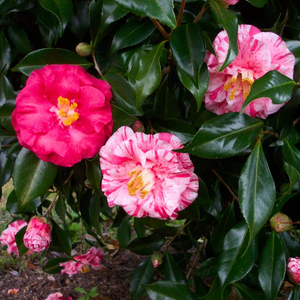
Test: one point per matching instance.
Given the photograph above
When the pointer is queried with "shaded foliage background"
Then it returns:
(153, 59)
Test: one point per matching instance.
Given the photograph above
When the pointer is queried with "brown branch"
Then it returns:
(178, 232)
(161, 29)
(286, 17)
(45, 214)
(180, 14)
(96, 65)
(202, 11)
(226, 185)
(270, 132)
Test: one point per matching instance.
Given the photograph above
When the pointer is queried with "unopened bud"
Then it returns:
(293, 269)
(138, 126)
(83, 49)
(157, 259)
(281, 222)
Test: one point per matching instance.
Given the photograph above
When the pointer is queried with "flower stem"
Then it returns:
(49, 209)
(178, 232)
(202, 11)
(270, 132)
(96, 65)
(161, 29)
(180, 14)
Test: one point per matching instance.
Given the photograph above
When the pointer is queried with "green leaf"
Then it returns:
(247, 292)
(215, 291)
(272, 85)
(131, 33)
(19, 39)
(291, 246)
(61, 241)
(256, 191)
(94, 211)
(5, 54)
(258, 3)
(123, 93)
(224, 136)
(172, 271)
(93, 173)
(208, 268)
(162, 10)
(6, 90)
(121, 118)
(32, 178)
(188, 49)
(19, 241)
(62, 9)
(143, 274)
(5, 115)
(294, 47)
(124, 233)
(146, 245)
(52, 266)
(295, 294)
(149, 74)
(39, 58)
(272, 265)
(6, 168)
(95, 10)
(236, 256)
(229, 22)
(291, 154)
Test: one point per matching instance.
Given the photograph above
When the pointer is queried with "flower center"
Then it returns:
(65, 111)
(242, 82)
(141, 182)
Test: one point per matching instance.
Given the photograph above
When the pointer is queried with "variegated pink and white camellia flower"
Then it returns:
(63, 114)
(142, 174)
(38, 234)
(82, 262)
(8, 236)
(293, 269)
(259, 53)
(57, 296)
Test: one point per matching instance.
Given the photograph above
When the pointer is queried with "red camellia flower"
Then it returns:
(293, 269)
(143, 174)
(38, 234)
(8, 236)
(63, 114)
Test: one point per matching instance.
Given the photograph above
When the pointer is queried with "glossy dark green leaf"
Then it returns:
(94, 211)
(124, 94)
(12, 203)
(19, 241)
(215, 140)
(146, 245)
(272, 265)
(39, 58)
(52, 265)
(6, 90)
(62, 9)
(258, 3)
(19, 39)
(237, 257)
(294, 294)
(142, 274)
(291, 154)
(248, 292)
(139, 228)
(149, 74)
(32, 177)
(215, 291)
(162, 10)
(294, 47)
(169, 290)
(293, 177)
(61, 241)
(6, 168)
(5, 54)
(93, 173)
(256, 190)
(272, 85)
(124, 233)
(121, 118)
(208, 268)
(188, 49)
(290, 245)
(229, 22)
(131, 33)
(95, 10)
(172, 271)
(5, 114)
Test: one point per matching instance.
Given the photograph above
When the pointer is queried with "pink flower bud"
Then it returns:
(281, 222)
(137, 126)
(157, 259)
(57, 296)
(8, 236)
(293, 269)
(83, 49)
(38, 234)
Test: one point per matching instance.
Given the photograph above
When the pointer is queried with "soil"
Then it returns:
(112, 280)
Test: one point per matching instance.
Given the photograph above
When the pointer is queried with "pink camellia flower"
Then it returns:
(143, 174)
(259, 53)
(293, 269)
(63, 114)
(82, 262)
(38, 234)
(57, 296)
(8, 236)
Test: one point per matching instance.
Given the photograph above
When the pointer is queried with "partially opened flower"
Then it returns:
(38, 234)
(143, 174)
(57, 296)
(82, 262)
(293, 269)
(63, 114)
(8, 236)
(259, 53)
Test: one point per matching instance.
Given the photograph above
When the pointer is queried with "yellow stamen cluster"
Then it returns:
(66, 111)
(141, 181)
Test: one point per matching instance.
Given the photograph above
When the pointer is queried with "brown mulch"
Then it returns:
(112, 280)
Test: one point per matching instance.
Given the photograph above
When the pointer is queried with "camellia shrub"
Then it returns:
(175, 122)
